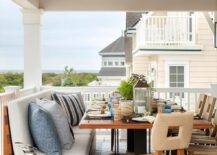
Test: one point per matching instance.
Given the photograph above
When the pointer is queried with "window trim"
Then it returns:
(177, 63)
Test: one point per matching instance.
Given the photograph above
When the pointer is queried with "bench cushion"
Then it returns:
(18, 116)
(80, 147)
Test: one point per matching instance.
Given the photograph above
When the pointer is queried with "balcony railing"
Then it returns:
(89, 93)
(166, 31)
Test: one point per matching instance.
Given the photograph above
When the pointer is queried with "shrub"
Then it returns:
(126, 90)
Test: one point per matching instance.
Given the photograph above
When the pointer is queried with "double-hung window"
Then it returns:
(110, 63)
(177, 76)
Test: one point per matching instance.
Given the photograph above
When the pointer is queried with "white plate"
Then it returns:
(149, 119)
(98, 114)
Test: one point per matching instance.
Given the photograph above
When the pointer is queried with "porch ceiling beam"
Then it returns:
(128, 5)
(28, 4)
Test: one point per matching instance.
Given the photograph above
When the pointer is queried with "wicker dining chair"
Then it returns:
(200, 105)
(209, 108)
(204, 139)
(160, 141)
(207, 114)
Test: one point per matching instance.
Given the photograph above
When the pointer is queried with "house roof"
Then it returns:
(116, 46)
(132, 18)
(122, 45)
(112, 71)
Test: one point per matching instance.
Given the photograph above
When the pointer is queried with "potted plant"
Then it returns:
(126, 104)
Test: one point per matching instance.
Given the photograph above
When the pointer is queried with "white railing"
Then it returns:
(166, 31)
(89, 93)
(187, 97)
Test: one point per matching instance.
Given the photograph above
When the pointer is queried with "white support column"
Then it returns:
(32, 51)
(215, 16)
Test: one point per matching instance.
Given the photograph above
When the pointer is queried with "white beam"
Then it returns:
(27, 4)
(209, 21)
(215, 16)
(128, 5)
(32, 53)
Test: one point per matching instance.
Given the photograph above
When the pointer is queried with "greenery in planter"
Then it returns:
(126, 90)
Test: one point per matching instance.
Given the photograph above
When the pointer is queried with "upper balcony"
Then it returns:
(176, 33)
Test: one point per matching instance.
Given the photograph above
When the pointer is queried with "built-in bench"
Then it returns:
(16, 128)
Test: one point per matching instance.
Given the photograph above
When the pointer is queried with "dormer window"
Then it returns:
(122, 63)
(110, 63)
(105, 63)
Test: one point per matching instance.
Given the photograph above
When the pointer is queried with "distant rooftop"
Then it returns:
(122, 45)
(112, 71)
(116, 46)
(132, 18)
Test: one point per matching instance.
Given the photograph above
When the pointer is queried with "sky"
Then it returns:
(68, 38)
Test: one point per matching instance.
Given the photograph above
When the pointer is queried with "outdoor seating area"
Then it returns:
(153, 90)
(180, 131)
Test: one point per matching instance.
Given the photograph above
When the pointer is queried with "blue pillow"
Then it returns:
(43, 130)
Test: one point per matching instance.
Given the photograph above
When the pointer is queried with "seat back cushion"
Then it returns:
(60, 121)
(72, 106)
(209, 108)
(18, 117)
(43, 130)
(159, 137)
(200, 104)
(77, 94)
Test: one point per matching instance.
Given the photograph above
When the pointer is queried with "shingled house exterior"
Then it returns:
(113, 68)
(117, 56)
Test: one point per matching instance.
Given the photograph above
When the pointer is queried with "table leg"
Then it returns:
(140, 141)
(115, 145)
(130, 140)
(173, 152)
(117, 141)
(112, 139)
(149, 140)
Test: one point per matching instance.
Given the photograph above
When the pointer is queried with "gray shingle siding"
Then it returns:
(112, 71)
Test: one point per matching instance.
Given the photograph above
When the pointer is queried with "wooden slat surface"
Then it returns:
(110, 124)
(8, 150)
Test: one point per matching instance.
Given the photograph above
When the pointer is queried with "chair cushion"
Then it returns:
(18, 116)
(72, 105)
(43, 130)
(82, 145)
(60, 121)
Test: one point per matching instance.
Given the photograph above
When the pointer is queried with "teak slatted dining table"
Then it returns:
(136, 132)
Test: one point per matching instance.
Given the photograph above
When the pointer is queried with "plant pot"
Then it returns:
(127, 107)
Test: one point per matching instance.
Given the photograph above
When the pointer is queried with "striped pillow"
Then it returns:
(72, 105)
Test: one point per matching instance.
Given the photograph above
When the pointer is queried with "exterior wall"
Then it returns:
(140, 64)
(110, 80)
(202, 67)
